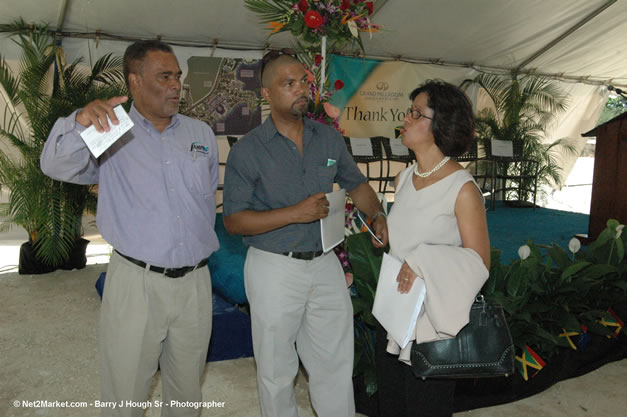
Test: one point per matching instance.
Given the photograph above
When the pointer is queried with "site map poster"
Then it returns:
(224, 93)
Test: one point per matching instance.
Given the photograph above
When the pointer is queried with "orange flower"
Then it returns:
(275, 26)
(345, 20)
(331, 110)
(310, 77)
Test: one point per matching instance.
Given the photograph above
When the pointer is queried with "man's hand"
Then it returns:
(381, 230)
(314, 207)
(95, 113)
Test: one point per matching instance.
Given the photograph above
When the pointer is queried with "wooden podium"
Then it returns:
(609, 181)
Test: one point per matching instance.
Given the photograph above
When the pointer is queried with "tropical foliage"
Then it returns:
(365, 261)
(613, 107)
(524, 107)
(551, 291)
(44, 89)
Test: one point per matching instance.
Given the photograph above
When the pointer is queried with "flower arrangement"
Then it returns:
(341, 21)
(320, 109)
(313, 23)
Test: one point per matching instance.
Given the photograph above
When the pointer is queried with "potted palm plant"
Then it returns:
(523, 108)
(44, 89)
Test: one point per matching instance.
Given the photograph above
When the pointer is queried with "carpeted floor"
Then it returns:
(48, 351)
(510, 228)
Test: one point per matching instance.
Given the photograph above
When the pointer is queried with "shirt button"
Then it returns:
(172, 189)
(168, 162)
(180, 243)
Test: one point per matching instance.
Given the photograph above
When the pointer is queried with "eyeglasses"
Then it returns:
(274, 54)
(416, 114)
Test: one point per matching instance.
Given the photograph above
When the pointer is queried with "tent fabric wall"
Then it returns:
(586, 101)
(586, 39)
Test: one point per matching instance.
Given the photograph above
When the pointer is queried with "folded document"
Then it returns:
(397, 312)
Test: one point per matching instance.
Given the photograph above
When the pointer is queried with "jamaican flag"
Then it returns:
(612, 321)
(529, 359)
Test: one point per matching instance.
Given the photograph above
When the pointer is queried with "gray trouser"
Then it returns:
(148, 319)
(304, 303)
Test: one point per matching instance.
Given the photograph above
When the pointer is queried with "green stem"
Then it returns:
(611, 251)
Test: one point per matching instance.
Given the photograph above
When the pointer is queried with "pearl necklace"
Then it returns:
(435, 168)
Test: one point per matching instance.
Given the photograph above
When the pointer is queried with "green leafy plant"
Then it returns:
(365, 261)
(547, 292)
(44, 89)
(550, 290)
(523, 108)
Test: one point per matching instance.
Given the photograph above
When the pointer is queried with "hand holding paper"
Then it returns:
(397, 312)
(98, 142)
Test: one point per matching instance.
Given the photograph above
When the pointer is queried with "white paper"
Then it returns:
(502, 147)
(99, 142)
(332, 226)
(372, 233)
(397, 148)
(397, 312)
(361, 146)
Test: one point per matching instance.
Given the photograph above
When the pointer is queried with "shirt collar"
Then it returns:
(269, 129)
(147, 124)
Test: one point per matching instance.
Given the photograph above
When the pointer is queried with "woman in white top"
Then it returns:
(437, 202)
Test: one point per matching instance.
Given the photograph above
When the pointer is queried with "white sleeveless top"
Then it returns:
(426, 215)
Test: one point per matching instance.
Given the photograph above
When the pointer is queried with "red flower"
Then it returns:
(345, 5)
(303, 6)
(370, 7)
(338, 84)
(318, 59)
(313, 19)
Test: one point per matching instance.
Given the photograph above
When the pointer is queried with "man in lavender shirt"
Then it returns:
(156, 207)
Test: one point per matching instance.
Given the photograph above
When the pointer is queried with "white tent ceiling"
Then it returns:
(581, 40)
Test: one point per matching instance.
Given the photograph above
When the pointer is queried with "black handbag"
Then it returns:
(483, 348)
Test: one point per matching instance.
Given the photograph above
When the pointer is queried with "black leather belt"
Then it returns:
(306, 256)
(168, 272)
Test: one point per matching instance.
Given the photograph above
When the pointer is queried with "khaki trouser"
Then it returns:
(148, 319)
(302, 303)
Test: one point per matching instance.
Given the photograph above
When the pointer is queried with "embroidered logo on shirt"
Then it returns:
(199, 147)
(331, 162)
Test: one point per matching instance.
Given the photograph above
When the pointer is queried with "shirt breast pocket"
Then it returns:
(326, 177)
(197, 174)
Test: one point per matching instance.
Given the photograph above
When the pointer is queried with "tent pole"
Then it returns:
(566, 34)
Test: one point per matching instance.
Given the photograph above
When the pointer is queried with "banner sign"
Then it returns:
(375, 96)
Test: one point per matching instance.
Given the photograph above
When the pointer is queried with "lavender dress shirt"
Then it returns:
(156, 192)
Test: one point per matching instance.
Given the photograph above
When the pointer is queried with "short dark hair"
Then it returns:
(271, 60)
(453, 122)
(135, 54)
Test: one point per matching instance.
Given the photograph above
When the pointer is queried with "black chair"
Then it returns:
(513, 174)
(375, 159)
(232, 140)
(479, 166)
(390, 157)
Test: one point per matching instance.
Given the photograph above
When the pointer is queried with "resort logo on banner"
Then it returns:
(377, 95)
